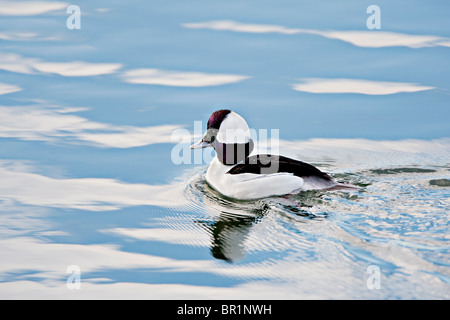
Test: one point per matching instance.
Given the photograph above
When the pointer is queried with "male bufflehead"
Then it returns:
(237, 174)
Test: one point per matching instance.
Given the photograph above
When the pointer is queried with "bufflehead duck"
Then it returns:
(237, 174)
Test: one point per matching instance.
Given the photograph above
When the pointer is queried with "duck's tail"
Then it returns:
(344, 187)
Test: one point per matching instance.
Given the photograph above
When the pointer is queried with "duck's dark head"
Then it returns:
(228, 133)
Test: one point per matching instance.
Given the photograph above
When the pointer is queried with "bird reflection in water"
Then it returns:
(228, 235)
(232, 220)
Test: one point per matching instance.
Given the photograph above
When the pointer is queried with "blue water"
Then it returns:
(89, 120)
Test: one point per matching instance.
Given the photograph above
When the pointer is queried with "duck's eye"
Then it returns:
(213, 138)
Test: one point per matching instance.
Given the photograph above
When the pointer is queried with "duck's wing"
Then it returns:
(270, 164)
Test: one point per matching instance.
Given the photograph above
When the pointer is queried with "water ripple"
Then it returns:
(396, 221)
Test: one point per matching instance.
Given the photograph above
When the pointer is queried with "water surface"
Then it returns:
(88, 119)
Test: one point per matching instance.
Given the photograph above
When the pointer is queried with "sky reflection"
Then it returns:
(367, 39)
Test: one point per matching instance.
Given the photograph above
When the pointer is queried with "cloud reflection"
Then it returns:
(368, 39)
(357, 86)
(16, 63)
(8, 88)
(26, 36)
(179, 78)
(58, 124)
(77, 68)
(48, 262)
(21, 185)
(29, 8)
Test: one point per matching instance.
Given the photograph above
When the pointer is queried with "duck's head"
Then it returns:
(228, 133)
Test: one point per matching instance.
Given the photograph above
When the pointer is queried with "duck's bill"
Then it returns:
(200, 144)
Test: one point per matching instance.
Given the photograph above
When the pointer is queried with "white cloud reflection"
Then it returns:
(59, 125)
(21, 185)
(179, 78)
(26, 36)
(194, 237)
(368, 39)
(77, 68)
(43, 265)
(29, 8)
(49, 261)
(16, 63)
(379, 39)
(356, 86)
(6, 88)
(92, 289)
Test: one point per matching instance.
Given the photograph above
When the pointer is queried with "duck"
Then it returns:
(237, 173)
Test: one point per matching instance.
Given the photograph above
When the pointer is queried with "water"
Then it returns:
(89, 186)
